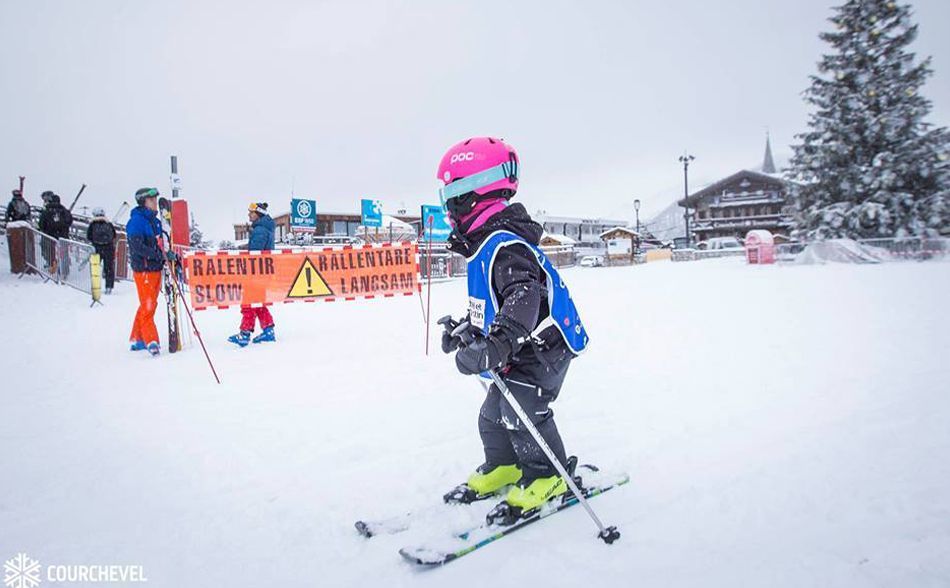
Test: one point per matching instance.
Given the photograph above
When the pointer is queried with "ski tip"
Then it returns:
(426, 558)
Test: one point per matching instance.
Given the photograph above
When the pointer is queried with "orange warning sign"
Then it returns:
(242, 278)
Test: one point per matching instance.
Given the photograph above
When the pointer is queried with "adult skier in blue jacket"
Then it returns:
(526, 326)
(145, 254)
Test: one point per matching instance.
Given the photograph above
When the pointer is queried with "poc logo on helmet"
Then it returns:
(467, 156)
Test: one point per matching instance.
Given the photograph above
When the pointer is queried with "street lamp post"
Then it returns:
(685, 159)
(636, 208)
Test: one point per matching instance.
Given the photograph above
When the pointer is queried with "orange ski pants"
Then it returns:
(148, 285)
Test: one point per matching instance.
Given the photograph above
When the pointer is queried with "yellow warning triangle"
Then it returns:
(309, 283)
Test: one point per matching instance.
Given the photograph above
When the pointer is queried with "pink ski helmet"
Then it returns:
(480, 165)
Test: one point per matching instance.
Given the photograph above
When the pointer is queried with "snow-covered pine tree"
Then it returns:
(196, 238)
(869, 165)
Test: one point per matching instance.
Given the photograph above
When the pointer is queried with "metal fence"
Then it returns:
(697, 254)
(447, 264)
(916, 248)
(73, 265)
(41, 254)
(63, 261)
(905, 248)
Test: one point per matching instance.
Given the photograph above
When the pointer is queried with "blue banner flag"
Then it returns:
(372, 213)
(434, 218)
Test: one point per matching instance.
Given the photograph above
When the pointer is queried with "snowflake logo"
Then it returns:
(21, 572)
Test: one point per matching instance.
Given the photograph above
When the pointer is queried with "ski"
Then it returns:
(169, 274)
(390, 526)
(402, 522)
(483, 535)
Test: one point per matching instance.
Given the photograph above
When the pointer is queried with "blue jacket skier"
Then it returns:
(525, 323)
(261, 239)
(145, 254)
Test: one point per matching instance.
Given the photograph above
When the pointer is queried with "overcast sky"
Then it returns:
(346, 100)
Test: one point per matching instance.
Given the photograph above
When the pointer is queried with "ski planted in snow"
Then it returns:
(483, 535)
(169, 273)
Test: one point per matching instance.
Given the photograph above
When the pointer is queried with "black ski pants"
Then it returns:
(504, 437)
(107, 253)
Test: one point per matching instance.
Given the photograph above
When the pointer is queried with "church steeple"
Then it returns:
(768, 164)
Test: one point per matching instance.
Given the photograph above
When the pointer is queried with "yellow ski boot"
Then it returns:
(536, 493)
(484, 483)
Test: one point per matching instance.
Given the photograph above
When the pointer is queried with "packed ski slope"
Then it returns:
(782, 426)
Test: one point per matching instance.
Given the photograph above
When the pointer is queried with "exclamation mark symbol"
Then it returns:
(309, 280)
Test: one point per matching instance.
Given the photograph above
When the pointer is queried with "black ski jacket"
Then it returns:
(520, 287)
(55, 220)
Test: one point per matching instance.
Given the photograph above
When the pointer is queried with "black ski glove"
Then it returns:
(451, 334)
(449, 342)
(482, 354)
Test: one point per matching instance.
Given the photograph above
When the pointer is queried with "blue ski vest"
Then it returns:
(482, 304)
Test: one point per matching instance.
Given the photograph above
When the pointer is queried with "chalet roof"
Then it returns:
(542, 217)
(626, 230)
(560, 239)
(717, 187)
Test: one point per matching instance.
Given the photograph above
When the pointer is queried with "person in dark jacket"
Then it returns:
(260, 239)
(102, 235)
(143, 232)
(18, 209)
(523, 324)
(55, 221)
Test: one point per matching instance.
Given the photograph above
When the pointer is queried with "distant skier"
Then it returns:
(55, 221)
(143, 231)
(261, 239)
(525, 323)
(18, 209)
(102, 235)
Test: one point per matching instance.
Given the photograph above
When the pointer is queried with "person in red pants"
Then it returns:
(261, 239)
(147, 259)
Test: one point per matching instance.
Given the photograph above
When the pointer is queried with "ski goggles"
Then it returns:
(503, 171)
(146, 193)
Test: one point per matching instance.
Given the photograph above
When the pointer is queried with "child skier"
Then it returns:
(145, 254)
(524, 322)
(261, 239)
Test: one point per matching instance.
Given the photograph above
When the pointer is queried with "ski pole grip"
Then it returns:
(447, 322)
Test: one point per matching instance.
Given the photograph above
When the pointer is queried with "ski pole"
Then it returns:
(608, 534)
(194, 327)
(429, 284)
(119, 213)
(76, 199)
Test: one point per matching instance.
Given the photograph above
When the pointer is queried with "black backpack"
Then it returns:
(101, 233)
(21, 209)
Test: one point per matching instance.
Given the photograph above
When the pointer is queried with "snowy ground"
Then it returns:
(783, 426)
